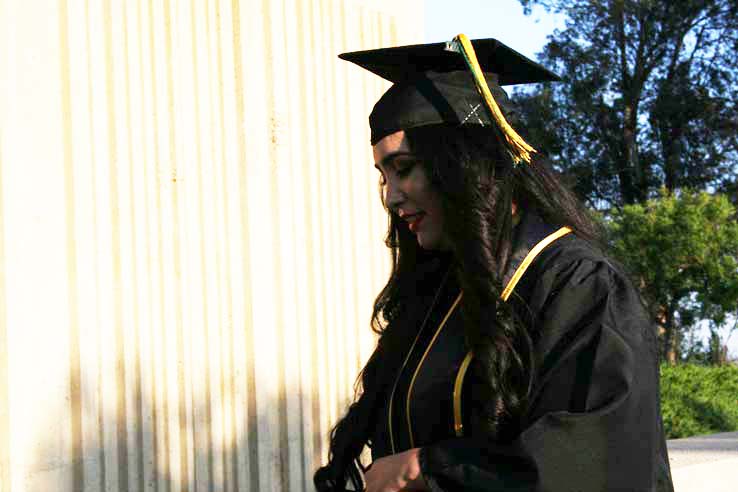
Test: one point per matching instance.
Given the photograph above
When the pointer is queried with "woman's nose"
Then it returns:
(394, 197)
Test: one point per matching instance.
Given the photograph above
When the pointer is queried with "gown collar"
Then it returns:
(530, 236)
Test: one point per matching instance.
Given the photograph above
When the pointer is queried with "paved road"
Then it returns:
(705, 463)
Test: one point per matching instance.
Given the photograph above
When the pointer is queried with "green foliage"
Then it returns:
(683, 249)
(681, 245)
(699, 399)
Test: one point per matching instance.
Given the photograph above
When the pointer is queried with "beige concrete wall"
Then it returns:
(190, 238)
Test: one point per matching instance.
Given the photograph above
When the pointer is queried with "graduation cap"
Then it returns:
(444, 83)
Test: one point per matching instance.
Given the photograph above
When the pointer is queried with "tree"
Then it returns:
(682, 249)
(710, 351)
(648, 100)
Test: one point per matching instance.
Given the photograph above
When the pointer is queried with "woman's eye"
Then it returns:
(404, 171)
(404, 168)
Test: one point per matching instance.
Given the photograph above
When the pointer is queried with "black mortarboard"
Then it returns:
(443, 82)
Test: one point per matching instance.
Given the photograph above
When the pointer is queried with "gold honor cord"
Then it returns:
(458, 385)
(529, 259)
(532, 254)
(518, 148)
(407, 358)
(417, 369)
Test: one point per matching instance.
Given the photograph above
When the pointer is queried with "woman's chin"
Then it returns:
(427, 243)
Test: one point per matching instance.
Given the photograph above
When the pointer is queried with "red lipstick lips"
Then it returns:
(414, 221)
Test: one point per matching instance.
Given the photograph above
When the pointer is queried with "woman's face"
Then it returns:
(408, 191)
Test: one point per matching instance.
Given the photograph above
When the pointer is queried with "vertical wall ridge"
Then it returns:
(248, 451)
(130, 310)
(203, 411)
(229, 442)
(279, 124)
(121, 438)
(5, 468)
(70, 233)
(5, 439)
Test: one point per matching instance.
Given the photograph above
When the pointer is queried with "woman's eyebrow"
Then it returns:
(388, 158)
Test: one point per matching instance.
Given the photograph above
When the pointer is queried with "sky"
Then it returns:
(500, 19)
(505, 21)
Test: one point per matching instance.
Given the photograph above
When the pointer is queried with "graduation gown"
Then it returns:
(594, 421)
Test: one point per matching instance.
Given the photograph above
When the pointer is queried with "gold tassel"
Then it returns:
(518, 148)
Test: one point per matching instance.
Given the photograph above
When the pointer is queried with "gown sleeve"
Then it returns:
(594, 422)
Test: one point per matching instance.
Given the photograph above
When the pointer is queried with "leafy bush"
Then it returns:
(699, 399)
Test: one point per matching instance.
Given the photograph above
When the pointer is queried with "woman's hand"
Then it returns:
(395, 473)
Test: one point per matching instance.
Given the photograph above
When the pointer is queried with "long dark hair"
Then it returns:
(478, 184)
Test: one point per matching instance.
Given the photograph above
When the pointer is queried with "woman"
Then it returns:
(512, 354)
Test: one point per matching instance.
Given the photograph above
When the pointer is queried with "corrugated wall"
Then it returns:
(190, 238)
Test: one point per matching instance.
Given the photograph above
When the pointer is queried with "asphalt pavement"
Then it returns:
(705, 463)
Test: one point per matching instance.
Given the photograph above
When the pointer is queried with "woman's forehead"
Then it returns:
(391, 144)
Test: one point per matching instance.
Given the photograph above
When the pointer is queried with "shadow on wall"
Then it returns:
(193, 447)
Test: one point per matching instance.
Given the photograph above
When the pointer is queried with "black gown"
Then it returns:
(594, 422)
